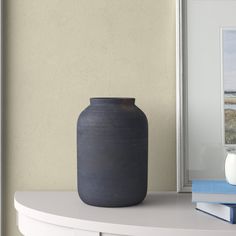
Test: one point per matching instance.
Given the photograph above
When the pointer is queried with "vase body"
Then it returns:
(112, 153)
(230, 168)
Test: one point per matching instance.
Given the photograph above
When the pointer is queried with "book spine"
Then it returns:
(232, 215)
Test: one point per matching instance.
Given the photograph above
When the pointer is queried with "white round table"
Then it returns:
(161, 214)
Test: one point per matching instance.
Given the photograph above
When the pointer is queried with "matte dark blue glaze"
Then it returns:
(112, 153)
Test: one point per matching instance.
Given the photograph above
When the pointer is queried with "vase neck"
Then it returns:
(111, 101)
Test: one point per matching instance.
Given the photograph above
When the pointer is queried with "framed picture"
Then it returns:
(206, 88)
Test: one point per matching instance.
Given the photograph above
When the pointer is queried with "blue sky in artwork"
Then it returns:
(229, 52)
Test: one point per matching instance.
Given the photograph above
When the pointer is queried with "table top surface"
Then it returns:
(159, 210)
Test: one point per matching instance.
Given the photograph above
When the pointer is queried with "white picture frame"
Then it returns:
(182, 182)
(200, 128)
(1, 116)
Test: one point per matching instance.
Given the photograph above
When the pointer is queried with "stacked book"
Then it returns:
(215, 197)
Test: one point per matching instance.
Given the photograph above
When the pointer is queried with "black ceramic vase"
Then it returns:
(112, 153)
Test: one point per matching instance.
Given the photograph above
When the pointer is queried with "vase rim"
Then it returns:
(112, 100)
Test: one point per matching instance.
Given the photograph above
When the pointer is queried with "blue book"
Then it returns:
(213, 186)
(213, 191)
(225, 212)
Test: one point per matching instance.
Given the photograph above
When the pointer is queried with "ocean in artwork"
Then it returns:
(229, 81)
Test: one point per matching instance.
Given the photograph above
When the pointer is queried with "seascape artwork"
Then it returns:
(229, 81)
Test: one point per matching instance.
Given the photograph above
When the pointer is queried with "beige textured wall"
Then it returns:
(60, 53)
